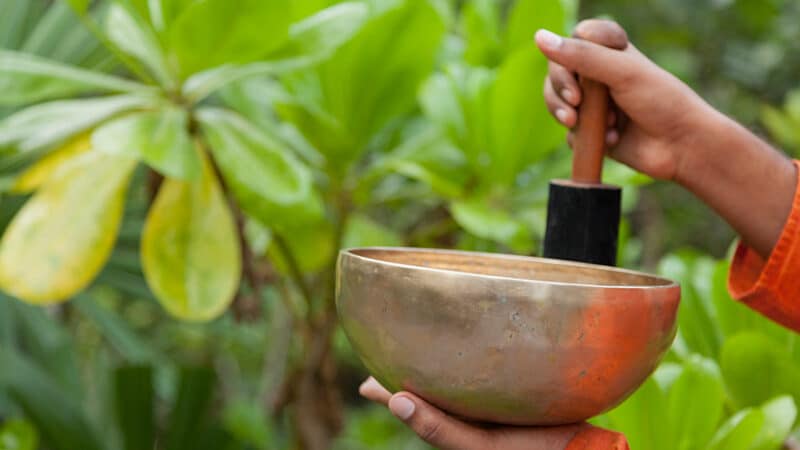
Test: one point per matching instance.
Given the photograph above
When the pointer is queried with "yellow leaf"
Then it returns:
(62, 237)
(190, 248)
(38, 173)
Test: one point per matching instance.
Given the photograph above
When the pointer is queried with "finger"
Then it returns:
(563, 112)
(611, 117)
(373, 390)
(565, 84)
(436, 427)
(614, 68)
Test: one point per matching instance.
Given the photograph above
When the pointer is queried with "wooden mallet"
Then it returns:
(583, 213)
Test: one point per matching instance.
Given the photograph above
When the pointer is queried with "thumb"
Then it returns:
(435, 427)
(614, 68)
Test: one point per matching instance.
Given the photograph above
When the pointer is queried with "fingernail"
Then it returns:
(612, 136)
(561, 115)
(548, 39)
(402, 407)
(368, 383)
(566, 94)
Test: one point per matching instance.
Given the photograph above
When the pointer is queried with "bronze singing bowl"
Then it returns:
(504, 339)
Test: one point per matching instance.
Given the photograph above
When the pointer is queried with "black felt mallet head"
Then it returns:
(583, 214)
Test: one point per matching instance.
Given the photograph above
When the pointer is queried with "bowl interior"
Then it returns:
(517, 267)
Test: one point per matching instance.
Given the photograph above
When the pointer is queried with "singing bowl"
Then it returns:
(504, 339)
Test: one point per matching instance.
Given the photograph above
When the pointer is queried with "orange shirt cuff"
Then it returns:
(772, 287)
(592, 438)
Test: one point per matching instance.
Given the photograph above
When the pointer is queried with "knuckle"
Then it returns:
(604, 32)
(431, 431)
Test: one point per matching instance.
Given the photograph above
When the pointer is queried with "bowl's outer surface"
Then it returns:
(504, 349)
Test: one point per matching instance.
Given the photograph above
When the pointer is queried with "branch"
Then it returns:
(154, 180)
(295, 273)
(247, 308)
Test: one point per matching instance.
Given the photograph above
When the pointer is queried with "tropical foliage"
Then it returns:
(176, 177)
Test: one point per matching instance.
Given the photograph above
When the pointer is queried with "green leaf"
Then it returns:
(442, 100)
(521, 127)
(211, 33)
(119, 334)
(361, 231)
(15, 22)
(205, 83)
(696, 325)
(161, 138)
(310, 41)
(750, 354)
(18, 434)
(779, 417)
(270, 184)
(644, 418)
(45, 340)
(527, 16)
(312, 247)
(430, 158)
(792, 104)
(248, 422)
(318, 36)
(459, 101)
(301, 9)
(695, 402)
(26, 78)
(190, 250)
(58, 34)
(254, 99)
(739, 432)
(477, 217)
(57, 416)
(134, 406)
(368, 82)
(191, 407)
(492, 118)
(79, 6)
(481, 23)
(66, 231)
(135, 38)
(782, 127)
(50, 123)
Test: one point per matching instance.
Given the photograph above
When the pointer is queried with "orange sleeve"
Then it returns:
(772, 287)
(593, 438)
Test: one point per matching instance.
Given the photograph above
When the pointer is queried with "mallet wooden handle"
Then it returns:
(590, 137)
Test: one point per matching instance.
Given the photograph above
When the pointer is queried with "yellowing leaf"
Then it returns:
(62, 237)
(190, 249)
(38, 173)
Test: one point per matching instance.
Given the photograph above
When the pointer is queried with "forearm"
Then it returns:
(745, 180)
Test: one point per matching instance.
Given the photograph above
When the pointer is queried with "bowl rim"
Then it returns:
(350, 252)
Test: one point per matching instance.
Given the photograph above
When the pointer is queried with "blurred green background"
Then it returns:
(177, 175)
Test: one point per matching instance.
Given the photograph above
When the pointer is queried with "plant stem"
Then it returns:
(248, 310)
(295, 273)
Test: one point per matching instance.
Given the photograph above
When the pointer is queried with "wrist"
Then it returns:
(704, 147)
(741, 177)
